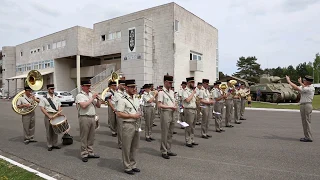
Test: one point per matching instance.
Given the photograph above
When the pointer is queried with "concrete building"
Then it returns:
(144, 45)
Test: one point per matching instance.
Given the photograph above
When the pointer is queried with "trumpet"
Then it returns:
(100, 99)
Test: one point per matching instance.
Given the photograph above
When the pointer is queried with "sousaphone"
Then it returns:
(35, 81)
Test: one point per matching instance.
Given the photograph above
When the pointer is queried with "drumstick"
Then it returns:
(56, 114)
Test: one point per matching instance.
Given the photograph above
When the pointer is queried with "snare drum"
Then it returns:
(60, 124)
(96, 118)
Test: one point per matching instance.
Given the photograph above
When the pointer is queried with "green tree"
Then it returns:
(316, 68)
(248, 69)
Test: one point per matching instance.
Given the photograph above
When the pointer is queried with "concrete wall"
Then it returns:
(69, 35)
(113, 61)
(62, 71)
(196, 35)
(85, 41)
(159, 23)
(9, 66)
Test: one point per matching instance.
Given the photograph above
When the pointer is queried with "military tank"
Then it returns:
(274, 89)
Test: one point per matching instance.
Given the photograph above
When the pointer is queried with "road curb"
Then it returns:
(280, 110)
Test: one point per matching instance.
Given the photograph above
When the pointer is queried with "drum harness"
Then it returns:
(138, 124)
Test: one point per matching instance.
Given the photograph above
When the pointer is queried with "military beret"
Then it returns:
(190, 79)
(50, 86)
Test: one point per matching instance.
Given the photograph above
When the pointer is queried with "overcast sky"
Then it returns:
(277, 32)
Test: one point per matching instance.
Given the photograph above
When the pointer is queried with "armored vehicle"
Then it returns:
(274, 89)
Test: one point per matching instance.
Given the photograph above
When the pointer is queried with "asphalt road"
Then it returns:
(265, 146)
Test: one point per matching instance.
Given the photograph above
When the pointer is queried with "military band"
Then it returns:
(125, 114)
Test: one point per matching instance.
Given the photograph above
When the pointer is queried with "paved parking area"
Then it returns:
(265, 146)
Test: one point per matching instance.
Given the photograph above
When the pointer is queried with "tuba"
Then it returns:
(233, 90)
(35, 81)
(223, 87)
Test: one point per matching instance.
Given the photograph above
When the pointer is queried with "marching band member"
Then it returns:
(307, 94)
(50, 105)
(112, 98)
(28, 120)
(198, 89)
(86, 104)
(244, 91)
(121, 92)
(148, 100)
(237, 104)
(190, 111)
(167, 106)
(205, 102)
(229, 105)
(128, 111)
(219, 96)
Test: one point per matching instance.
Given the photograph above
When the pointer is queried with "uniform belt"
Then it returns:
(128, 121)
(305, 103)
(191, 108)
(88, 115)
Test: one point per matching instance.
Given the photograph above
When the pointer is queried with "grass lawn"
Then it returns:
(9, 171)
(315, 104)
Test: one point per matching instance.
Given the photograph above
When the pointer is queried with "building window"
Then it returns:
(59, 44)
(110, 36)
(41, 65)
(176, 25)
(54, 45)
(103, 37)
(63, 43)
(43, 48)
(38, 49)
(21, 54)
(195, 56)
(48, 46)
(31, 52)
(119, 34)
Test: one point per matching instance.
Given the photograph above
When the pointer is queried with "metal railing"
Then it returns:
(103, 84)
(101, 76)
(74, 92)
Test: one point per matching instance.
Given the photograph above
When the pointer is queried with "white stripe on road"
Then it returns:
(27, 168)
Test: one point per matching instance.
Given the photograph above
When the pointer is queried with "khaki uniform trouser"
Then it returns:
(205, 110)
(167, 125)
(148, 115)
(190, 117)
(218, 107)
(119, 128)
(52, 137)
(237, 106)
(130, 144)
(305, 111)
(243, 107)
(229, 109)
(87, 132)
(28, 123)
(198, 112)
(112, 120)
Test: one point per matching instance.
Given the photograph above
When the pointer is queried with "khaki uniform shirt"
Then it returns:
(89, 110)
(24, 100)
(192, 104)
(146, 97)
(217, 93)
(307, 94)
(126, 107)
(237, 96)
(55, 100)
(166, 97)
(205, 95)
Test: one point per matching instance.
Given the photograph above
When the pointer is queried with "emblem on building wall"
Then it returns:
(132, 39)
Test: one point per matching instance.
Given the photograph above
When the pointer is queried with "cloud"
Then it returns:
(45, 10)
(298, 5)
